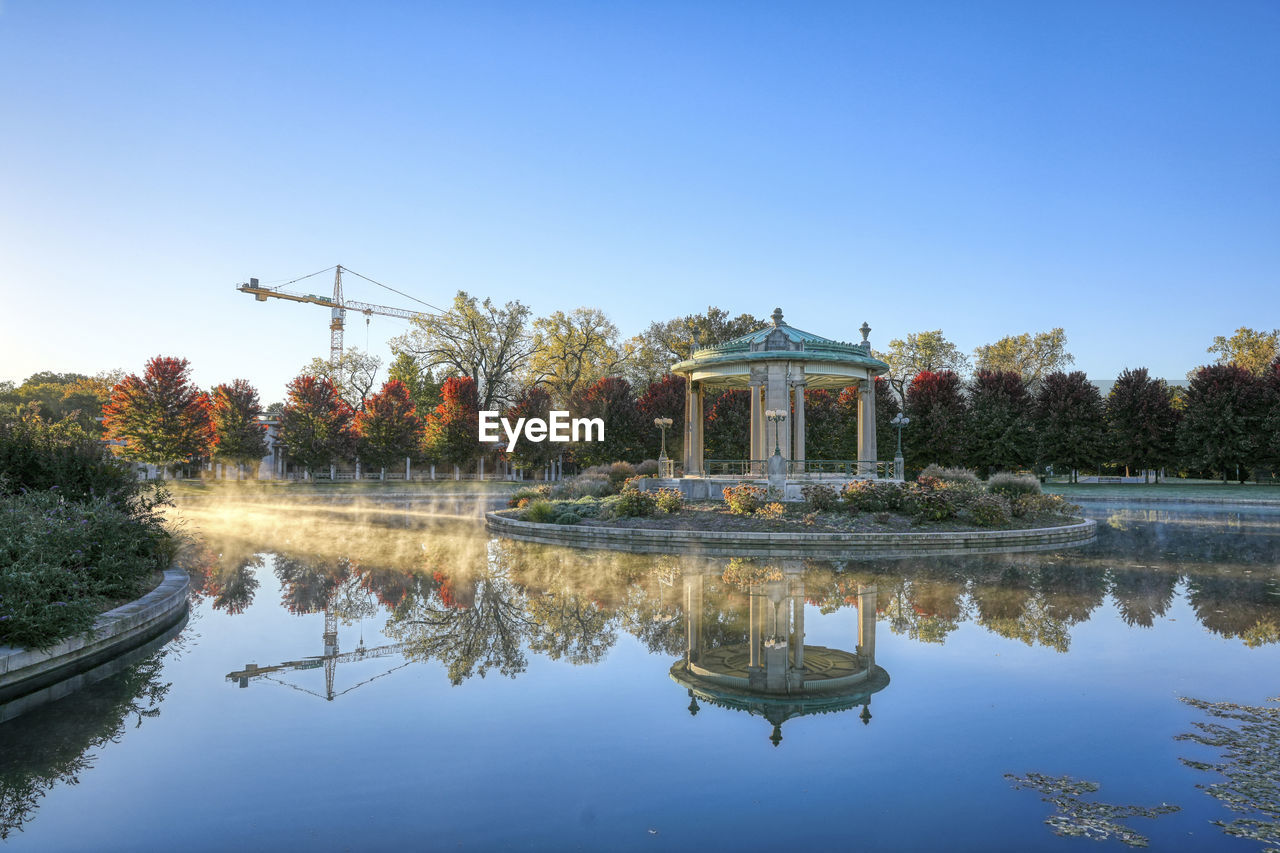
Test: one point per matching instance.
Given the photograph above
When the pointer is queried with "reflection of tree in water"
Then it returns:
(307, 586)
(57, 743)
(570, 626)
(1250, 766)
(1237, 607)
(1080, 818)
(1142, 595)
(926, 610)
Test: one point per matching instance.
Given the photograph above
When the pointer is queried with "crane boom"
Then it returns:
(337, 305)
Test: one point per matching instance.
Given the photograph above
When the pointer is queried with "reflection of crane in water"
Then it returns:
(328, 661)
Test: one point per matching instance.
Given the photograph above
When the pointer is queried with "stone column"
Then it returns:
(757, 444)
(867, 623)
(700, 417)
(867, 427)
(688, 425)
(799, 386)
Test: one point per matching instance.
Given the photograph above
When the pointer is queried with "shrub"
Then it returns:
(772, 510)
(620, 472)
(527, 494)
(951, 475)
(990, 511)
(1013, 485)
(1024, 505)
(539, 511)
(931, 500)
(669, 500)
(820, 498)
(586, 484)
(744, 499)
(633, 502)
(36, 456)
(647, 468)
(873, 496)
(587, 507)
(568, 517)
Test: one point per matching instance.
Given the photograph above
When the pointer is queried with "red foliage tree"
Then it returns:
(727, 434)
(161, 417)
(389, 426)
(241, 438)
(1221, 426)
(316, 426)
(938, 414)
(612, 400)
(664, 399)
(1069, 420)
(534, 401)
(1141, 421)
(999, 434)
(453, 429)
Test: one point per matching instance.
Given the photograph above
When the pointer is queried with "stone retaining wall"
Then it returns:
(114, 632)
(838, 545)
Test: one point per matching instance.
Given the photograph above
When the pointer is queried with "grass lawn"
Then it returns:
(1175, 489)
(284, 488)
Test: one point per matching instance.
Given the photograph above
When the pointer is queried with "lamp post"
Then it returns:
(663, 462)
(777, 416)
(776, 469)
(899, 469)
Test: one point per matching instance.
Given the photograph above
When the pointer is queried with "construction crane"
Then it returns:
(337, 306)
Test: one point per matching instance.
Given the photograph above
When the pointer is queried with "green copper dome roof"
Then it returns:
(781, 341)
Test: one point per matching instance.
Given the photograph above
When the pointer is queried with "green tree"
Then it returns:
(354, 376)
(674, 339)
(1030, 356)
(1070, 421)
(1221, 424)
(488, 344)
(240, 438)
(939, 418)
(1141, 421)
(317, 427)
(921, 351)
(727, 433)
(572, 351)
(1248, 348)
(999, 435)
(161, 417)
(422, 386)
(389, 427)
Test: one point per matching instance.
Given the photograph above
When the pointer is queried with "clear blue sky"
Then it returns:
(987, 168)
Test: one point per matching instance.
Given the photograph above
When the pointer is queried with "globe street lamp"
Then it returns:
(663, 424)
(899, 420)
(777, 416)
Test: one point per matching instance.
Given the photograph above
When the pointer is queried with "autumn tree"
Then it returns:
(240, 438)
(1030, 356)
(572, 351)
(389, 427)
(484, 342)
(727, 433)
(62, 395)
(1248, 348)
(999, 435)
(664, 398)
(830, 431)
(936, 407)
(532, 402)
(1141, 421)
(1221, 424)
(317, 427)
(918, 352)
(354, 376)
(452, 433)
(1070, 421)
(674, 339)
(161, 417)
(612, 400)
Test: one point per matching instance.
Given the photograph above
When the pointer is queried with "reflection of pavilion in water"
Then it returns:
(328, 661)
(775, 675)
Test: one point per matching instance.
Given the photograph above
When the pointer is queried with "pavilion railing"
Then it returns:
(807, 468)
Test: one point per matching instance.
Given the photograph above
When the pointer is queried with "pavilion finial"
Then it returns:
(866, 333)
(777, 317)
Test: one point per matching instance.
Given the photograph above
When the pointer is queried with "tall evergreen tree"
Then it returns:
(316, 426)
(612, 400)
(1271, 420)
(161, 416)
(1141, 421)
(939, 418)
(727, 431)
(533, 401)
(664, 399)
(389, 427)
(241, 439)
(999, 435)
(1070, 421)
(1221, 427)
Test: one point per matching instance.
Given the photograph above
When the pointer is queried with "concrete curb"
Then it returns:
(842, 545)
(23, 671)
(1111, 499)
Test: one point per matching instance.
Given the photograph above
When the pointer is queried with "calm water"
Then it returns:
(392, 680)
